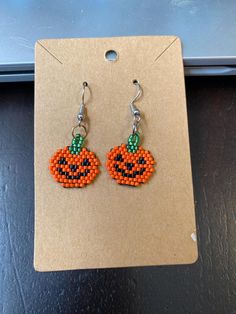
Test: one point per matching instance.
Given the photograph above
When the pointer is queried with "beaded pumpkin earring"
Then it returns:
(131, 164)
(75, 166)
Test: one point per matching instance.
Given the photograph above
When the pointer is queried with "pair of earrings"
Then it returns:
(129, 164)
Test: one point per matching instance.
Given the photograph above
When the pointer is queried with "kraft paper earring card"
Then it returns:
(106, 224)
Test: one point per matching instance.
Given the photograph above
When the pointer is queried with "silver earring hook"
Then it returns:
(134, 110)
(85, 84)
(139, 91)
(81, 115)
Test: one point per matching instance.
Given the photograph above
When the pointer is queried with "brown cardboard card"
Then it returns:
(106, 224)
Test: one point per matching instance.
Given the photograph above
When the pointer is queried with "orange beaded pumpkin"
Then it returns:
(130, 164)
(74, 166)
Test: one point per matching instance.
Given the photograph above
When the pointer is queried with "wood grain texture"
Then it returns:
(205, 287)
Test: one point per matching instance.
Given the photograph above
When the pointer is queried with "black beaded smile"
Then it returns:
(73, 168)
(129, 166)
(129, 175)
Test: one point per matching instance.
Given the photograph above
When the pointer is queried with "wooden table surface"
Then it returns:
(208, 286)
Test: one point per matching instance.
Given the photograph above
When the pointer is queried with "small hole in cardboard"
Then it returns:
(111, 55)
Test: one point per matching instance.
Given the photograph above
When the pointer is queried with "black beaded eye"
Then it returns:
(62, 161)
(141, 161)
(85, 162)
(119, 158)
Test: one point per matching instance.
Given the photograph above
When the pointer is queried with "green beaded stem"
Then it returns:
(76, 144)
(133, 142)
